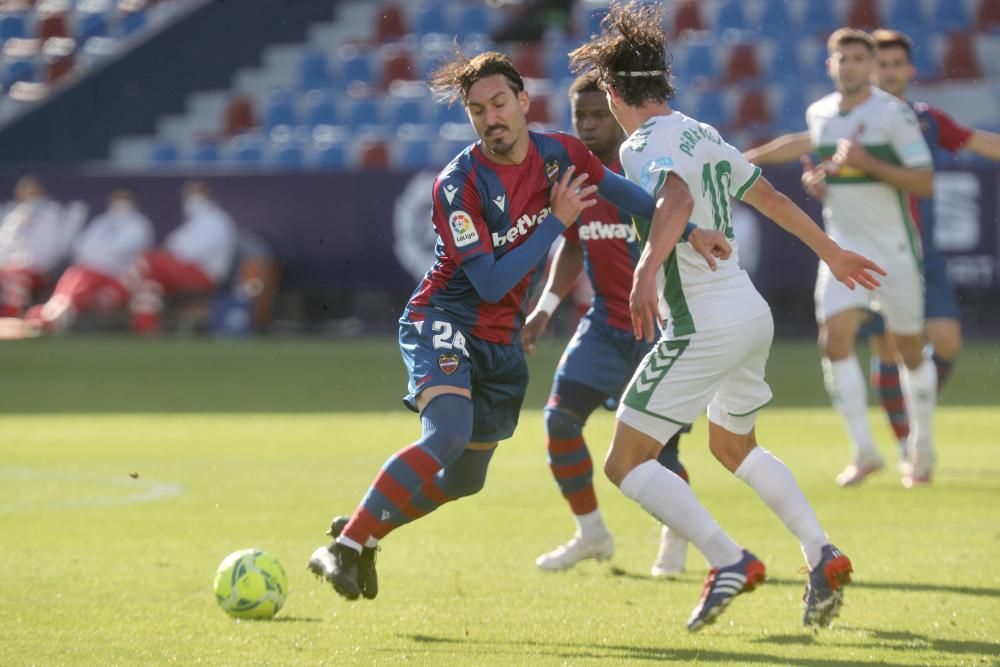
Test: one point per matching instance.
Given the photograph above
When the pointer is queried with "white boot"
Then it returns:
(672, 557)
(599, 547)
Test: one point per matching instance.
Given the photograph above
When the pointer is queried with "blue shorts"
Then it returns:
(438, 352)
(940, 299)
(601, 357)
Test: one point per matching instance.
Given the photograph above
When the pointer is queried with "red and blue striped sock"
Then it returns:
(885, 384)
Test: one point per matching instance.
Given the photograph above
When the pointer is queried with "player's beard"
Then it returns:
(498, 147)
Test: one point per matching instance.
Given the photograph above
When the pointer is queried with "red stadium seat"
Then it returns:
(960, 60)
(988, 16)
(373, 154)
(742, 65)
(52, 25)
(529, 60)
(397, 65)
(753, 112)
(538, 112)
(863, 15)
(687, 17)
(390, 25)
(240, 116)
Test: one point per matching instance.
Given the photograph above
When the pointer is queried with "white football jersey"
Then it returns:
(207, 238)
(861, 213)
(113, 240)
(693, 297)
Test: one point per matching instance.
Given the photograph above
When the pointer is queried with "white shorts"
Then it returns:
(722, 370)
(900, 298)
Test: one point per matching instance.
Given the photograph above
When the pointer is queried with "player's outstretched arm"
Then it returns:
(786, 148)
(848, 267)
(985, 144)
(673, 210)
(566, 267)
(493, 278)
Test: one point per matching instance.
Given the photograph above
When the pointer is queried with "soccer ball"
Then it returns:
(251, 584)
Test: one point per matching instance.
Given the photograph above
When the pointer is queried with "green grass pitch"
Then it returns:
(129, 469)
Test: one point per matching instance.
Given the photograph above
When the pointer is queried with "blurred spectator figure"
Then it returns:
(195, 259)
(32, 242)
(102, 253)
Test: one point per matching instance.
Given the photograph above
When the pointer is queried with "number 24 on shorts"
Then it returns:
(447, 338)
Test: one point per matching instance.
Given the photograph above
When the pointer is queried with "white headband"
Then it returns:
(655, 72)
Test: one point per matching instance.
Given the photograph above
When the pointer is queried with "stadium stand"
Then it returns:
(351, 95)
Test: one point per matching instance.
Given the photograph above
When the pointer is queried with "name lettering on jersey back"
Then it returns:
(605, 231)
(523, 225)
(689, 138)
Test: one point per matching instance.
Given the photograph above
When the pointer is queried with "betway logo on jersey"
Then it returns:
(601, 231)
(520, 228)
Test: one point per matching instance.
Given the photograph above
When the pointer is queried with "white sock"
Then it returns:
(920, 391)
(848, 391)
(590, 525)
(348, 542)
(773, 481)
(371, 543)
(669, 498)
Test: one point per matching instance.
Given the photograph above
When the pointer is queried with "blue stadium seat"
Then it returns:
(91, 24)
(18, 69)
(206, 154)
(13, 25)
(816, 68)
(406, 111)
(923, 52)
(164, 153)
(357, 65)
(314, 71)
(246, 150)
(557, 61)
(699, 61)
(320, 108)
(818, 19)
(364, 111)
(288, 155)
(332, 156)
(592, 22)
(413, 153)
(950, 15)
(785, 66)
(730, 17)
(711, 108)
(775, 22)
(430, 18)
(791, 110)
(450, 114)
(280, 110)
(132, 22)
(905, 15)
(473, 19)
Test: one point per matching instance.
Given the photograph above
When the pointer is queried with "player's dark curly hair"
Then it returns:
(630, 54)
(588, 82)
(452, 80)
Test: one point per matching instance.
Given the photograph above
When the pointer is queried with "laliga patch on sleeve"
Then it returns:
(462, 229)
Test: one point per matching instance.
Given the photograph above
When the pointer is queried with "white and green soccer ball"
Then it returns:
(251, 584)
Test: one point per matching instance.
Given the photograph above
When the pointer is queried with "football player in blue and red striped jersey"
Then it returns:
(498, 207)
(603, 354)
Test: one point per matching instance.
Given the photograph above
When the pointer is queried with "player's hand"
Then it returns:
(853, 269)
(644, 304)
(814, 178)
(851, 152)
(710, 244)
(568, 198)
(533, 329)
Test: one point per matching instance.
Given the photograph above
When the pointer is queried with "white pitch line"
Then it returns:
(149, 490)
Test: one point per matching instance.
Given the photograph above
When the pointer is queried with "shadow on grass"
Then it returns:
(896, 640)
(467, 648)
(296, 619)
(799, 583)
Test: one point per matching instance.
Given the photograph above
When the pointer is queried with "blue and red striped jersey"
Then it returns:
(484, 207)
(942, 132)
(610, 253)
